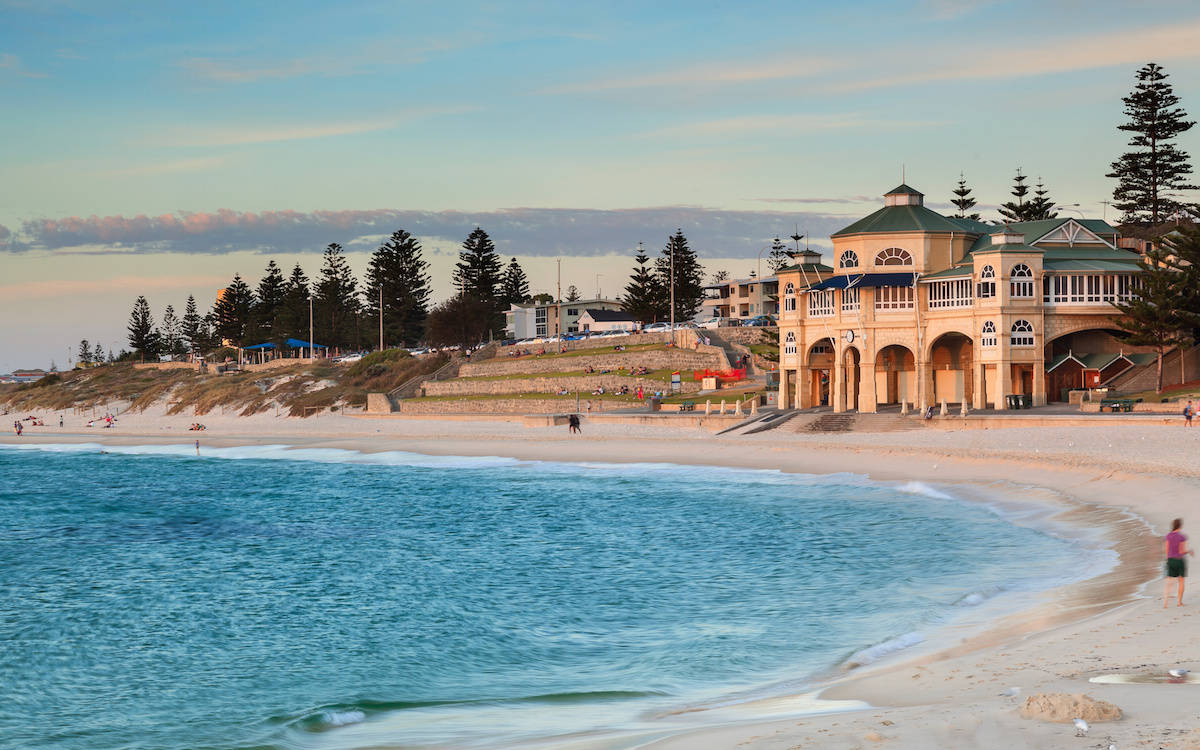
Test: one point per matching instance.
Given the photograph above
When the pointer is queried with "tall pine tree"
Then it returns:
(190, 325)
(232, 312)
(963, 200)
(144, 339)
(778, 257)
(477, 275)
(643, 297)
(1040, 207)
(514, 286)
(399, 271)
(172, 333)
(688, 277)
(1151, 177)
(336, 300)
(1017, 211)
(268, 300)
(292, 320)
(1151, 317)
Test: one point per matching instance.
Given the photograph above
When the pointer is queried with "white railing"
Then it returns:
(1090, 289)
(894, 298)
(953, 293)
(850, 300)
(820, 304)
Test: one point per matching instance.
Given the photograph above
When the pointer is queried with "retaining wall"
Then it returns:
(509, 406)
(583, 384)
(675, 359)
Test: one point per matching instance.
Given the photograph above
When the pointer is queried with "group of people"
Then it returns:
(196, 427)
(107, 419)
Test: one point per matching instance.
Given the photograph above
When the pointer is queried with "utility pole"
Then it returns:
(558, 314)
(311, 344)
(672, 287)
(381, 315)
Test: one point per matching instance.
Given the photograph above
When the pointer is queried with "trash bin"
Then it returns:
(1064, 395)
(1010, 401)
(1026, 401)
(655, 403)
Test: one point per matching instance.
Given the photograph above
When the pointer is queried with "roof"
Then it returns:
(1071, 265)
(961, 271)
(903, 190)
(608, 316)
(909, 218)
(810, 267)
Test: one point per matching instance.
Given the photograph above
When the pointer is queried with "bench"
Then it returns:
(687, 406)
(1113, 404)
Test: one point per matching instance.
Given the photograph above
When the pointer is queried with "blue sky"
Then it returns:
(157, 148)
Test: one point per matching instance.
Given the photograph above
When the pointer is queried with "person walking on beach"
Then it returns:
(573, 424)
(1188, 413)
(197, 447)
(1175, 545)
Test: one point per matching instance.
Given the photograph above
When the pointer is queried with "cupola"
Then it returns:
(1007, 236)
(903, 196)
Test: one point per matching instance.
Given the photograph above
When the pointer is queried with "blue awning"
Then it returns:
(292, 343)
(261, 346)
(859, 280)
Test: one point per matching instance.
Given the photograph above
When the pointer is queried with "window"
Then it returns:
(849, 259)
(821, 349)
(1022, 333)
(789, 344)
(953, 293)
(893, 256)
(1021, 285)
(539, 319)
(987, 285)
(820, 304)
(789, 298)
(850, 299)
(572, 311)
(894, 298)
(1087, 289)
(988, 339)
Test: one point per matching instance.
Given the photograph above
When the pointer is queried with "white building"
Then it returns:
(529, 320)
(595, 321)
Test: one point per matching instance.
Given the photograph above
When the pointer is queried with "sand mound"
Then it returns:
(1062, 708)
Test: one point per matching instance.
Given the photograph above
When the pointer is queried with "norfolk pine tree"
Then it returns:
(1016, 211)
(1040, 207)
(1151, 177)
(572, 294)
(232, 312)
(336, 300)
(514, 286)
(778, 257)
(963, 200)
(143, 337)
(398, 268)
(190, 325)
(272, 288)
(689, 278)
(293, 314)
(1151, 316)
(477, 275)
(643, 298)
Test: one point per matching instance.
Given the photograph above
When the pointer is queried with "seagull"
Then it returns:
(1081, 728)
(1012, 692)
(1178, 672)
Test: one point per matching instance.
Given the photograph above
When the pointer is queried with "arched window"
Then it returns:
(1021, 285)
(1022, 333)
(989, 334)
(893, 256)
(789, 343)
(789, 298)
(849, 259)
(987, 285)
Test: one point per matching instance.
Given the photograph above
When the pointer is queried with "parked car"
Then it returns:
(715, 322)
(762, 321)
(688, 324)
(349, 358)
(657, 328)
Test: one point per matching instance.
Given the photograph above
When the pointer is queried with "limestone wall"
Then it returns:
(166, 366)
(583, 384)
(744, 336)
(509, 406)
(676, 359)
(603, 342)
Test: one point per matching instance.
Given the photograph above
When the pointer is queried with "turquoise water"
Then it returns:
(264, 598)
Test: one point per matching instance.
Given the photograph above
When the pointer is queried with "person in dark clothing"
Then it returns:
(573, 423)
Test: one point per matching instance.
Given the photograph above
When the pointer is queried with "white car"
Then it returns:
(349, 358)
(657, 328)
(716, 322)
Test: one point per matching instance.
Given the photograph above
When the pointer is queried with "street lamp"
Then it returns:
(760, 252)
(311, 356)
(1068, 207)
(672, 288)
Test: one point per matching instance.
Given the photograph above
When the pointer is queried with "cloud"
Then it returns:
(12, 65)
(371, 54)
(238, 135)
(845, 199)
(516, 231)
(170, 167)
(753, 123)
(720, 73)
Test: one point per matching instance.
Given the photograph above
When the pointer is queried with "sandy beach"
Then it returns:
(1116, 486)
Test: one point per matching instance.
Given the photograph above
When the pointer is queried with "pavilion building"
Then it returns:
(920, 307)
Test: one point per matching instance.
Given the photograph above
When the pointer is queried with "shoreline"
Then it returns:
(1088, 495)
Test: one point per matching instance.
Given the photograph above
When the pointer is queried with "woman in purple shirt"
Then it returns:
(1175, 545)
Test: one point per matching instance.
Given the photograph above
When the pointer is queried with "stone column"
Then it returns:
(851, 391)
(804, 378)
(1039, 382)
(1004, 382)
(837, 394)
(924, 381)
(868, 401)
(979, 400)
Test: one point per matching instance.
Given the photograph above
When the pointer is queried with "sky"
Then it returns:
(158, 148)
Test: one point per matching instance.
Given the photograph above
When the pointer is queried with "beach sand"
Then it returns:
(1118, 486)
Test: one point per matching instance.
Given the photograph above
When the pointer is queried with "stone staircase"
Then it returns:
(833, 423)
(850, 422)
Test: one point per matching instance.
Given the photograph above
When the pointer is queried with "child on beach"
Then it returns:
(1188, 413)
(1175, 546)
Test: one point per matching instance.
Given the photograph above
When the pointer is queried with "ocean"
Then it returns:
(265, 597)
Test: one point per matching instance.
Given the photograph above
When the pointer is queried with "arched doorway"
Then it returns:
(851, 359)
(895, 375)
(951, 358)
(820, 361)
(1095, 357)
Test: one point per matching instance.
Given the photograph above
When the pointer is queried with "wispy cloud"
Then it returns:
(753, 123)
(846, 199)
(237, 135)
(11, 65)
(516, 231)
(772, 69)
(341, 62)
(66, 53)
(162, 168)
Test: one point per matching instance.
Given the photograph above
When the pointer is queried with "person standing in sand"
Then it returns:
(1175, 545)
(1188, 413)
(573, 423)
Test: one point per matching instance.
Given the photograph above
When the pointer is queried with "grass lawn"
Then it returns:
(663, 375)
(769, 352)
(550, 354)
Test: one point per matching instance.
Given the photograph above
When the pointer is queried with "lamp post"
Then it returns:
(760, 252)
(598, 285)
(311, 343)
(672, 287)
(1068, 207)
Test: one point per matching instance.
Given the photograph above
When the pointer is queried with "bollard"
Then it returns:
(904, 408)
(964, 408)
(945, 412)
(737, 407)
(722, 406)
(708, 407)
(754, 405)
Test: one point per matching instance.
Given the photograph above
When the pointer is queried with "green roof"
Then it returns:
(902, 219)
(1078, 265)
(903, 190)
(809, 267)
(1009, 247)
(967, 269)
